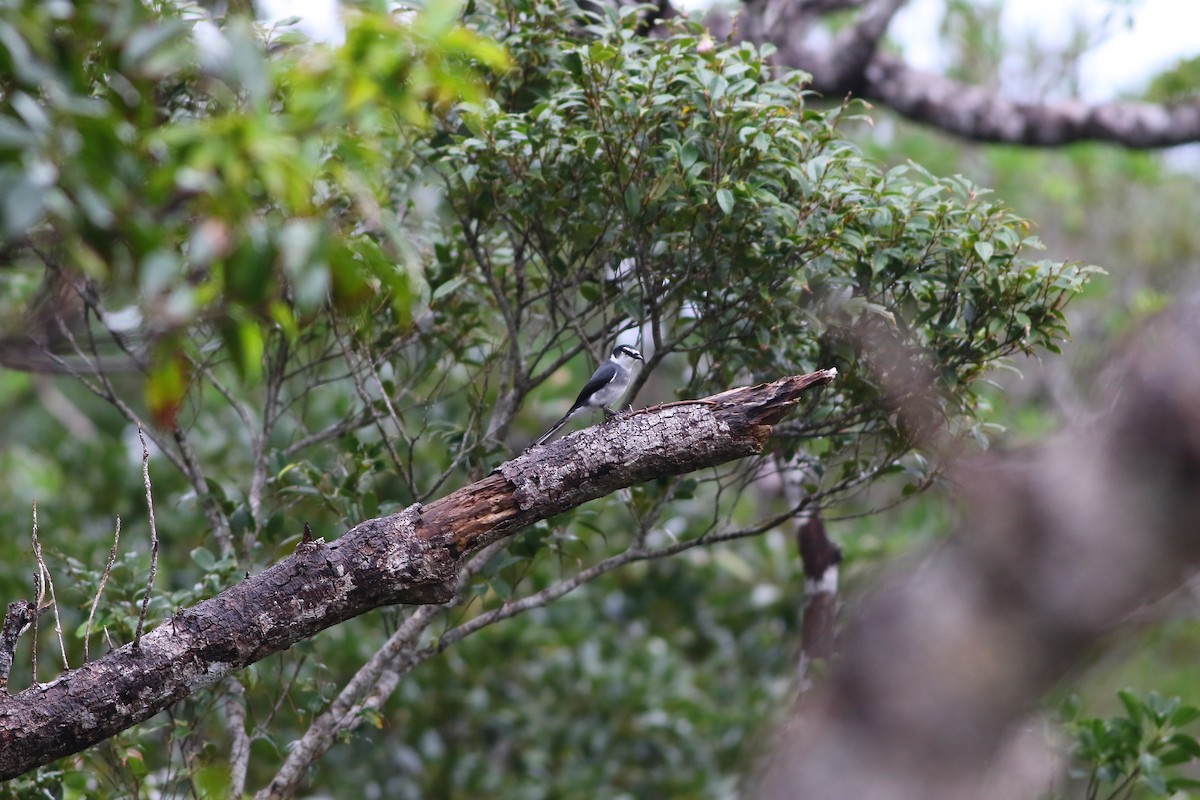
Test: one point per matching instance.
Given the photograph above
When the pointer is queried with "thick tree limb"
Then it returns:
(852, 64)
(1061, 544)
(985, 115)
(409, 557)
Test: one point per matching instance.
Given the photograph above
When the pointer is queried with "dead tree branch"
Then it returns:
(410, 557)
(108, 567)
(137, 636)
(18, 619)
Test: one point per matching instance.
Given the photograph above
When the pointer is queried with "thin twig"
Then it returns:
(239, 747)
(39, 592)
(555, 591)
(405, 660)
(48, 584)
(112, 559)
(137, 636)
(348, 705)
(105, 390)
(276, 365)
(216, 518)
(365, 396)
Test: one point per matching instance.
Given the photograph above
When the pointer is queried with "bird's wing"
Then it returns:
(601, 377)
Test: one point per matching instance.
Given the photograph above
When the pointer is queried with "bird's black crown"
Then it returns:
(626, 350)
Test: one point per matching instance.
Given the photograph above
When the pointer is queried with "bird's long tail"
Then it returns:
(554, 428)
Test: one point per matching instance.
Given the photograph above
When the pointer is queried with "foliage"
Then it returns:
(1177, 84)
(361, 272)
(1138, 754)
(176, 158)
(709, 208)
(1134, 210)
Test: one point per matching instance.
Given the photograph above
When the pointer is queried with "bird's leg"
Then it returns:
(608, 412)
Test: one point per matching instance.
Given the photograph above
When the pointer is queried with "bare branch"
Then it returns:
(112, 559)
(276, 366)
(365, 396)
(837, 68)
(17, 619)
(239, 748)
(46, 581)
(984, 115)
(190, 465)
(852, 64)
(137, 636)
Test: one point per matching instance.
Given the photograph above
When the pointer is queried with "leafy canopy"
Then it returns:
(189, 172)
(361, 274)
(618, 183)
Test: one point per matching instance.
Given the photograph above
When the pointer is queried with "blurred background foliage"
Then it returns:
(340, 279)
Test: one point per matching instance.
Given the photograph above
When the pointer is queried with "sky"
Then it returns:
(1161, 32)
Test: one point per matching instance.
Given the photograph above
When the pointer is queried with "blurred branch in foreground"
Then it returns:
(1061, 543)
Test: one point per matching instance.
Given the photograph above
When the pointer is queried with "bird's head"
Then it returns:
(626, 354)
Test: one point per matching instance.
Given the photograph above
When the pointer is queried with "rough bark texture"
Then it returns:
(20, 615)
(852, 64)
(1061, 543)
(409, 557)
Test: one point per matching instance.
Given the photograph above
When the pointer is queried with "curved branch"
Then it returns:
(852, 64)
(410, 557)
(985, 115)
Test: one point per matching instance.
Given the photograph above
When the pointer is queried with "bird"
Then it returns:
(607, 384)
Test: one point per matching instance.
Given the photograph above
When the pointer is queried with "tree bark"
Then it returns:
(852, 64)
(410, 557)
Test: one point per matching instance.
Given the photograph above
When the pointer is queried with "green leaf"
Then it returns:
(135, 762)
(1161, 708)
(633, 198)
(984, 249)
(574, 64)
(1179, 784)
(213, 781)
(725, 200)
(1183, 715)
(244, 340)
(1133, 705)
(204, 558)
(1172, 756)
(14, 135)
(142, 44)
(448, 287)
